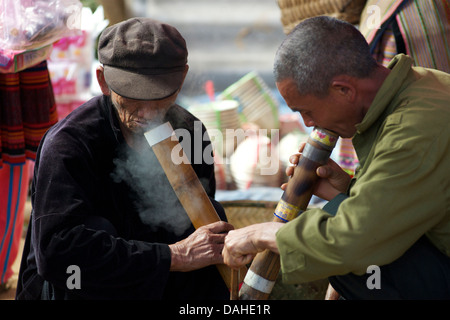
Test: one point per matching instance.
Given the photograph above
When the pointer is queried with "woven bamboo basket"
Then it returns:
(257, 103)
(294, 11)
(243, 213)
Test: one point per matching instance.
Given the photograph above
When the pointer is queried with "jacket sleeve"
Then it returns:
(67, 231)
(391, 205)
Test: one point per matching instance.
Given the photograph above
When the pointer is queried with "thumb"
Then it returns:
(324, 172)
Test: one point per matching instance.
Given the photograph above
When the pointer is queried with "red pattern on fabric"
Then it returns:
(27, 111)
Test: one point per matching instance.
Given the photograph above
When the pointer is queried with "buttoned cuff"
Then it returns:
(332, 206)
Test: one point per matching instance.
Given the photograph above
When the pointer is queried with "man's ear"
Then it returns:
(344, 87)
(101, 81)
(184, 75)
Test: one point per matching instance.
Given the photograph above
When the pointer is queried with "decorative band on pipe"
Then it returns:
(286, 211)
(323, 137)
(159, 134)
(258, 283)
(315, 154)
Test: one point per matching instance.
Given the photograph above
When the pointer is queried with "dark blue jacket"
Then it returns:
(110, 211)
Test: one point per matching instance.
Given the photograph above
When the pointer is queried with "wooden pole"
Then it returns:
(265, 267)
(115, 10)
(185, 183)
(235, 281)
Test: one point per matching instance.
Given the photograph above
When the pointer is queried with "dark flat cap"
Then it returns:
(143, 58)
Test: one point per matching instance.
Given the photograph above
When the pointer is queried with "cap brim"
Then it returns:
(141, 86)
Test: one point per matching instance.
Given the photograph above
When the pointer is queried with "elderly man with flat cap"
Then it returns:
(106, 223)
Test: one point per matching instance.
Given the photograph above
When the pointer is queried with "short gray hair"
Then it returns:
(317, 50)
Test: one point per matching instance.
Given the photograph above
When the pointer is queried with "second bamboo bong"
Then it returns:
(263, 271)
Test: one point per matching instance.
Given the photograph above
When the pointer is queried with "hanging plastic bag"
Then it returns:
(29, 24)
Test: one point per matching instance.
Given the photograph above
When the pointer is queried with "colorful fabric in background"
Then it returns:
(420, 29)
(13, 195)
(27, 111)
(348, 159)
(386, 49)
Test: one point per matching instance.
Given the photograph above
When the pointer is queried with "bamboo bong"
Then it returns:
(185, 183)
(264, 269)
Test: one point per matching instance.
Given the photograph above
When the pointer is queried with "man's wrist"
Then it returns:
(176, 260)
(267, 237)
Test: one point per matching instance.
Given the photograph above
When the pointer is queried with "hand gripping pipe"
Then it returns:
(263, 271)
(185, 183)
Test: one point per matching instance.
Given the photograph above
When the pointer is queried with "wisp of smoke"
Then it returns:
(156, 202)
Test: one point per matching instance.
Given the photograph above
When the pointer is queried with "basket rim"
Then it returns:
(249, 203)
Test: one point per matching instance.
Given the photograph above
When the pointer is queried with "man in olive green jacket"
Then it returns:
(395, 214)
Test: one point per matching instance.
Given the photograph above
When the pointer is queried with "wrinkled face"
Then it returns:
(138, 116)
(333, 112)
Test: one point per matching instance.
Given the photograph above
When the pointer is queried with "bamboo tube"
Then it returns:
(265, 267)
(235, 281)
(185, 183)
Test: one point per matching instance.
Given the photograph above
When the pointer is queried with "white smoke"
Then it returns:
(155, 200)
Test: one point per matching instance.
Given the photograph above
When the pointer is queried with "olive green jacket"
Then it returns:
(401, 190)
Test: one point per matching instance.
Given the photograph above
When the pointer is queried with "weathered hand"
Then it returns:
(243, 244)
(202, 248)
(331, 294)
(333, 180)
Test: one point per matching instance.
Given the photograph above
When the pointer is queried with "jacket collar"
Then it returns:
(400, 65)
(112, 118)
